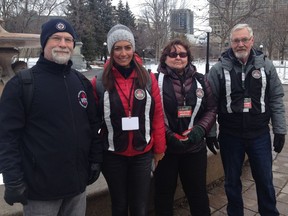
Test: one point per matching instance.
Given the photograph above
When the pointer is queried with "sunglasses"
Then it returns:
(175, 54)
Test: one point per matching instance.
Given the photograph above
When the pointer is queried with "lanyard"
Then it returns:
(183, 92)
(127, 98)
(182, 84)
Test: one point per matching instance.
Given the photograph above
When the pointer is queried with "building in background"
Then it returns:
(182, 21)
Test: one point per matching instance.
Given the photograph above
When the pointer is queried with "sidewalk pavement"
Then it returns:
(216, 193)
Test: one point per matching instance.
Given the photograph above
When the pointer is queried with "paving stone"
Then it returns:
(285, 189)
(279, 179)
(282, 208)
(217, 202)
(250, 204)
(282, 197)
(250, 193)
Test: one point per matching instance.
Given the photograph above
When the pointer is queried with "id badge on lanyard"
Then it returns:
(184, 111)
(130, 123)
(247, 104)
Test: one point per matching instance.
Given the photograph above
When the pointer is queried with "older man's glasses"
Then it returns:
(58, 39)
(242, 40)
(175, 54)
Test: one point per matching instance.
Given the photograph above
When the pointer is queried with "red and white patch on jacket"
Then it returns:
(82, 98)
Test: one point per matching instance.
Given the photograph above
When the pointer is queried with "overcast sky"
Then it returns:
(199, 7)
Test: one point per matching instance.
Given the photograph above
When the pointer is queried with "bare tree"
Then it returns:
(156, 16)
(225, 14)
(19, 14)
(281, 39)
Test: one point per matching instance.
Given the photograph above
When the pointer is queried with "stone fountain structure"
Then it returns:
(10, 44)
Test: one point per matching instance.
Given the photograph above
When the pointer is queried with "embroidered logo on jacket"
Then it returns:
(199, 93)
(139, 94)
(256, 74)
(82, 98)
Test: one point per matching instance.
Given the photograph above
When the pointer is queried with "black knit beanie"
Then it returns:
(53, 26)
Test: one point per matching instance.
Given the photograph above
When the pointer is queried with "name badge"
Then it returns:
(184, 111)
(247, 105)
(130, 123)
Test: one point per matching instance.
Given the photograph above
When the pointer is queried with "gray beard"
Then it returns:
(61, 60)
(241, 55)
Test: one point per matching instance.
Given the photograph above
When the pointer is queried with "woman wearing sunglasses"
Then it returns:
(190, 112)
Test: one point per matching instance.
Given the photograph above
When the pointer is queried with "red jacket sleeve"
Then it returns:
(158, 128)
(93, 82)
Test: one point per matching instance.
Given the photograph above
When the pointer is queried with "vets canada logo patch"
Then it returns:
(82, 98)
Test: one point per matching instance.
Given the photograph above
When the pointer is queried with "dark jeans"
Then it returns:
(192, 171)
(128, 180)
(259, 153)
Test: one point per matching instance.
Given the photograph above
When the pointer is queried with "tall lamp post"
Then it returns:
(143, 51)
(105, 51)
(208, 30)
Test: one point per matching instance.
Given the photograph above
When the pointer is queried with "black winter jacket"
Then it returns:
(52, 146)
(175, 89)
(265, 90)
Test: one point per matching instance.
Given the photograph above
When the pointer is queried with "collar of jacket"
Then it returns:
(125, 71)
(52, 67)
(228, 59)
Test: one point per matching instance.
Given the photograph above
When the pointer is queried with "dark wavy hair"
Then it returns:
(172, 44)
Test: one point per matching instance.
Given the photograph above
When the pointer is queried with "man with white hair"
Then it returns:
(250, 95)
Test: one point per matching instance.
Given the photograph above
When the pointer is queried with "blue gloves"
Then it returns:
(278, 143)
(94, 172)
(15, 192)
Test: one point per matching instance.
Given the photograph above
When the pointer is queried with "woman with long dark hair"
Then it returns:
(133, 128)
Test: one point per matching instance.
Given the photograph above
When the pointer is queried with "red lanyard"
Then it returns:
(127, 98)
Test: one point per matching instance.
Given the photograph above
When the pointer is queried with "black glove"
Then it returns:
(94, 172)
(174, 143)
(15, 192)
(196, 134)
(279, 140)
(212, 143)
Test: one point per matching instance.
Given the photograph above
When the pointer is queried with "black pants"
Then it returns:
(192, 171)
(128, 180)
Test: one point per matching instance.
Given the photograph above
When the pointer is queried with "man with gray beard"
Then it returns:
(249, 95)
(50, 150)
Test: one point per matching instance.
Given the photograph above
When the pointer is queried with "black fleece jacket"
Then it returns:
(50, 148)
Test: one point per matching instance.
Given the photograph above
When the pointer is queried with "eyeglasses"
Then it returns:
(58, 39)
(243, 40)
(175, 54)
